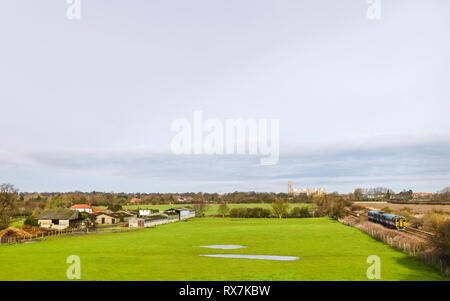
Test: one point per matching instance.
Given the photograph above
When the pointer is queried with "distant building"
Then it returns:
(180, 199)
(148, 221)
(290, 189)
(82, 208)
(309, 191)
(59, 219)
(422, 195)
(106, 219)
(135, 201)
(183, 213)
(106, 211)
(145, 212)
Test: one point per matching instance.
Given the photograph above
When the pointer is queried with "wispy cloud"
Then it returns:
(417, 160)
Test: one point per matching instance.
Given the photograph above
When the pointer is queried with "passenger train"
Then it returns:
(386, 219)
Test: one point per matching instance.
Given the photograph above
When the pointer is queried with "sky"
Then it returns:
(88, 104)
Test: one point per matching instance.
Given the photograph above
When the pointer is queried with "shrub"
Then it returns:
(330, 205)
(223, 209)
(300, 212)
(405, 211)
(442, 239)
(115, 208)
(31, 221)
(338, 210)
(356, 207)
(237, 212)
(386, 209)
(256, 212)
(280, 208)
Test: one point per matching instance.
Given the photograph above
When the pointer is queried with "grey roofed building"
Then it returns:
(63, 214)
(59, 218)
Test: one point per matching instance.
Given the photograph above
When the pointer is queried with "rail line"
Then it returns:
(419, 233)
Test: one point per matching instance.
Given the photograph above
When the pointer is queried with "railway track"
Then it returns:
(419, 233)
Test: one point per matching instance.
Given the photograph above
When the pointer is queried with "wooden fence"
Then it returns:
(47, 233)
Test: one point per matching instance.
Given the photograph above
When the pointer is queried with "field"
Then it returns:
(416, 209)
(212, 208)
(328, 251)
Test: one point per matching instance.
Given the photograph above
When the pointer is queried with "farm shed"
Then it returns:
(150, 221)
(59, 219)
(183, 213)
(106, 219)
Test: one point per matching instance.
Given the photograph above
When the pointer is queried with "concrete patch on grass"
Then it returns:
(264, 257)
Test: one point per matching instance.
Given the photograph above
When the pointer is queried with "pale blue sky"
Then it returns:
(88, 104)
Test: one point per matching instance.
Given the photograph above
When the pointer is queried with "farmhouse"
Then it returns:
(106, 219)
(59, 219)
(82, 208)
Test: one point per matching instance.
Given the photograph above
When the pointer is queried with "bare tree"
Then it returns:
(8, 198)
(358, 194)
(200, 209)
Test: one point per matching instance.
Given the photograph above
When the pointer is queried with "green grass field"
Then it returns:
(328, 251)
(17, 223)
(211, 208)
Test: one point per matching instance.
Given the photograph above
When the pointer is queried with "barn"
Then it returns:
(183, 213)
(59, 219)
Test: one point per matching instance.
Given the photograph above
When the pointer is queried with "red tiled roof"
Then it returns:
(80, 206)
(135, 200)
(102, 210)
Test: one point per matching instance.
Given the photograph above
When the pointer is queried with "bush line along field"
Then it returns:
(328, 250)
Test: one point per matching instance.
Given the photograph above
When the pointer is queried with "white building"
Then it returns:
(82, 208)
(145, 212)
(309, 191)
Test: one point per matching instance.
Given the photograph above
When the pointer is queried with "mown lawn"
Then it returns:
(328, 251)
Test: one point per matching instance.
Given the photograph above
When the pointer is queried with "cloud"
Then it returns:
(370, 161)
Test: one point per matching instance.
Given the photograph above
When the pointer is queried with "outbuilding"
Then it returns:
(59, 219)
(149, 221)
(183, 213)
(106, 219)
